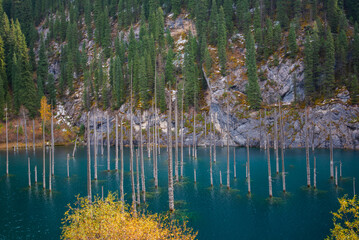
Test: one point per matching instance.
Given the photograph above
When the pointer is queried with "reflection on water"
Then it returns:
(217, 213)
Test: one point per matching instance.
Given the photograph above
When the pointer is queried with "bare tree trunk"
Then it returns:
(336, 176)
(17, 136)
(67, 165)
(52, 144)
(194, 176)
(315, 173)
(74, 151)
(260, 129)
(182, 133)
(101, 134)
(131, 152)
(142, 163)
(43, 155)
(276, 140)
(228, 168)
(205, 130)
(89, 194)
(307, 147)
(122, 169)
(176, 136)
(210, 155)
(282, 145)
(331, 150)
(269, 167)
(7, 144)
(138, 178)
(29, 170)
(248, 168)
(148, 145)
(95, 144)
(50, 166)
(214, 144)
(25, 130)
(220, 178)
(108, 142)
(170, 173)
(194, 134)
(116, 127)
(234, 164)
(33, 134)
(35, 174)
(155, 133)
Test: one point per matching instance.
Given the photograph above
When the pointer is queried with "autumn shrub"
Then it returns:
(111, 219)
(346, 220)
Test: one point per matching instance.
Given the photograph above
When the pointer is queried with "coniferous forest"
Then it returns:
(165, 94)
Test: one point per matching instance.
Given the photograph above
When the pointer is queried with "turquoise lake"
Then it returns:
(215, 213)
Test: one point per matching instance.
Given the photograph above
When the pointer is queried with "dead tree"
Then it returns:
(7, 144)
(228, 168)
(182, 132)
(336, 176)
(307, 147)
(101, 138)
(131, 154)
(89, 194)
(170, 173)
(220, 178)
(248, 168)
(234, 164)
(210, 155)
(74, 151)
(282, 145)
(50, 166)
(67, 165)
(95, 144)
(29, 171)
(52, 145)
(35, 170)
(269, 167)
(194, 176)
(276, 140)
(116, 159)
(315, 172)
(25, 129)
(176, 136)
(122, 167)
(138, 178)
(33, 134)
(331, 151)
(108, 142)
(142, 164)
(43, 154)
(214, 144)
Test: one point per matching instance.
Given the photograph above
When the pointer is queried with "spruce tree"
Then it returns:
(42, 70)
(356, 46)
(51, 89)
(292, 39)
(309, 87)
(282, 15)
(222, 42)
(268, 50)
(213, 24)
(329, 81)
(354, 89)
(253, 89)
(2, 76)
(228, 13)
(342, 49)
(169, 68)
(143, 87)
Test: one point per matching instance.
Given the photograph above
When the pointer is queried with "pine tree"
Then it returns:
(42, 70)
(292, 39)
(222, 42)
(176, 7)
(329, 81)
(342, 49)
(268, 50)
(309, 87)
(354, 89)
(282, 15)
(161, 94)
(51, 89)
(189, 70)
(333, 14)
(212, 24)
(169, 68)
(228, 13)
(356, 46)
(253, 90)
(143, 87)
(244, 15)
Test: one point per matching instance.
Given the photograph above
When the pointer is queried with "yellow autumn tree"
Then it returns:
(111, 219)
(45, 110)
(346, 220)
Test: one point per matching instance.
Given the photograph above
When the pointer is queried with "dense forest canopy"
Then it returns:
(323, 34)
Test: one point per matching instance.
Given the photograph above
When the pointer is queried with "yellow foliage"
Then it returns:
(45, 109)
(111, 219)
(346, 220)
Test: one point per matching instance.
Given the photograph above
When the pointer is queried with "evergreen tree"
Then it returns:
(356, 47)
(161, 94)
(191, 83)
(333, 14)
(51, 90)
(282, 15)
(169, 68)
(341, 50)
(42, 70)
(244, 15)
(176, 7)
(253, 89)
(292, 41)
(212, 24)
(309, 87)
(143, 88)
(222, 42)
(2, 76)
(207, 59)
(228, 13)
(268, 39)
(354, 89)
(277, 36)
(329, 81)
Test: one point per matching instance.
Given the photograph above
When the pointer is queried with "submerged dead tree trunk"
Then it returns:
(276, 140)
(315, 172)
(116, 128)
(33, 134)
(210, 155)
(131, 153)
(43, 154)
(248, 168)
(331, 150)
(35, 170)
(108, 142)
(214, 144)
(138, 178)
(95, 144)
(170, 167)
(228, 167)
(50, 166)
(234, 164)
(74, 151)
(25, 130)
(67, 165)
(142, 163)
(307, 147)
(29, 171)
(155, 150)
(122, 195)
(269, 167)
(7, 144)
(282, 145)
(89, 194)
(52, 144)
(176, 136)
(101, 138)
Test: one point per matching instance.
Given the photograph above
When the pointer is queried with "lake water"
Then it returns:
(215, 213)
